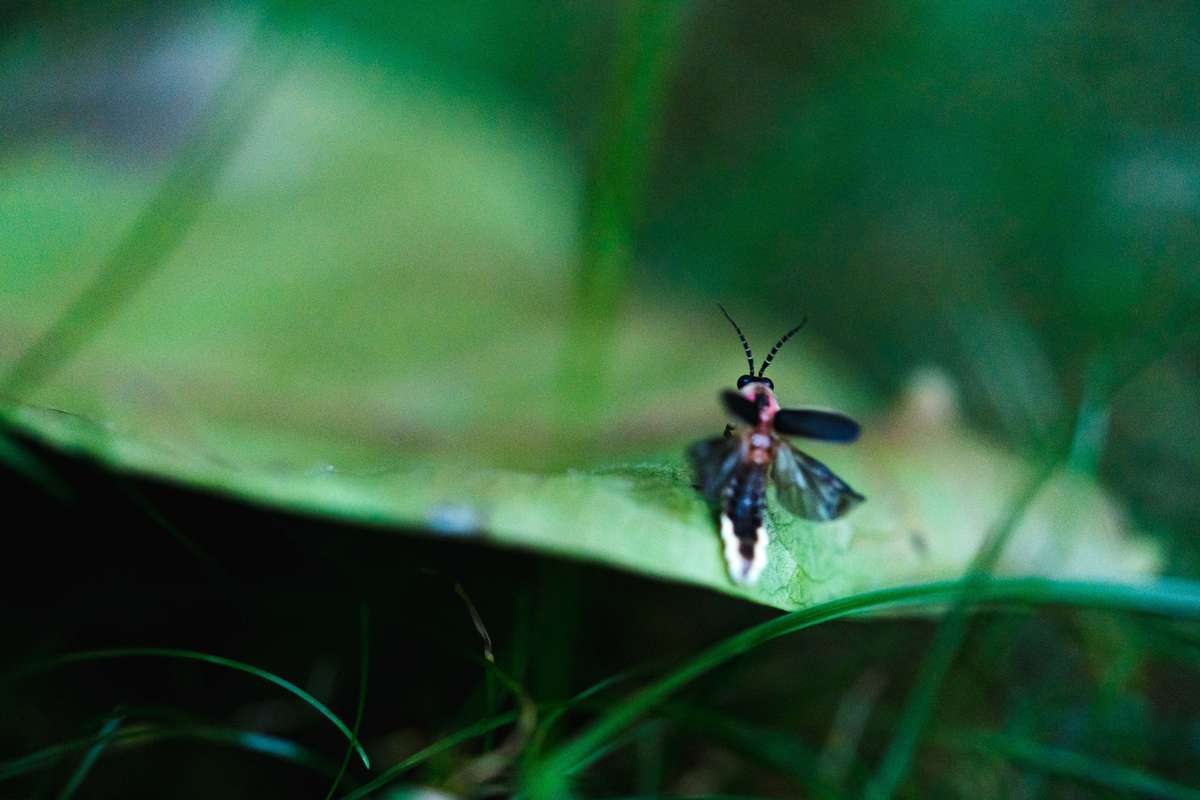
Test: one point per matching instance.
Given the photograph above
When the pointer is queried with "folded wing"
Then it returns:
(714, 461)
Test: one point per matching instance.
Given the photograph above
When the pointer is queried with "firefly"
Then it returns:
(733, 470)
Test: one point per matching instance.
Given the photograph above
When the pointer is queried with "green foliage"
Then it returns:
(422, 270)
(1171, 599)
(383, 395)
(1076, 766)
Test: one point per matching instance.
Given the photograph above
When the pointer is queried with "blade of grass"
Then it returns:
(495, 761)
(559, 593)
(168, 216)
(440, 746)
(489, 764)
(1072, 765)
(89, 758)
(947, 641)
(364, 658)
(632, 736)
(688, 797)
(616, 183)
(1171, 598)
(1092, 418)
(133, 736)
(649, 766)
(1103, 382)
(1138, 346)
(555, 714)
(839, 756)
(785, 753)
(481, 728)
(191, 655)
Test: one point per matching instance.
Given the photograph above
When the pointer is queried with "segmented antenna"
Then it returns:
(745, 344)
(778, 345)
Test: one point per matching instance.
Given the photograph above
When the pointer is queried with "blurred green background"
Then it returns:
(484, 235)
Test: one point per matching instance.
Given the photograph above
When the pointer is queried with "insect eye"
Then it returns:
(742, 381)
(769, 383)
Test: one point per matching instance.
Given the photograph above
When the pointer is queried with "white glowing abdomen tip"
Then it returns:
(744, 570)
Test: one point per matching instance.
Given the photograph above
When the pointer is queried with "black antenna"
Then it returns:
(745, 345)
(778, 345)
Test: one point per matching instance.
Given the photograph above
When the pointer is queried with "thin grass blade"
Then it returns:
(192, 655)
(1073, 765)
(133, 736)
(89, 759)
(440, 746)
(364, 659)
(1170, 598)
(166, 219)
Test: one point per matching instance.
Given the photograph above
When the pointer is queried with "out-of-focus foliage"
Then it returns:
(437, 265)
(381, 281)
(1005, 191)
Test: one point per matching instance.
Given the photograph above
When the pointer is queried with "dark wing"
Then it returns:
(815, 423)
(714, 461)
(808, 489)
(738, 406)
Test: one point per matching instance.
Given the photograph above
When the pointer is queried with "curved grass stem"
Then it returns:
(191, 655)
(1171, 598)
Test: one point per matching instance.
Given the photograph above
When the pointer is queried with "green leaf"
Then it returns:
(646, 517)
(367, 321)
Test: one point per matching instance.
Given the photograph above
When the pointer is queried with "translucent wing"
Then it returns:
(816, 423)
(714, 461)
(808, 489)
(738, 406)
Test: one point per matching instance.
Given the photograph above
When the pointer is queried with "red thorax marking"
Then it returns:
(762, 441)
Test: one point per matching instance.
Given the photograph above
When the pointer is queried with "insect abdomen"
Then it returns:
(742, 529)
